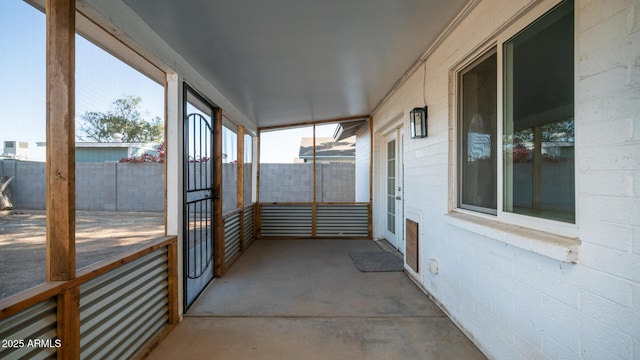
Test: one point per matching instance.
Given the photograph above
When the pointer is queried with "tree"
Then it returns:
(125, 119)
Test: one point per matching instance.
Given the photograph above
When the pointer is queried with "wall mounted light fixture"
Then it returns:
(418, 122)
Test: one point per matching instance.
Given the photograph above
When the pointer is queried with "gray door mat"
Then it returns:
(376, 261)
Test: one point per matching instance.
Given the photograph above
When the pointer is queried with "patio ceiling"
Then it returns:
(288, 61)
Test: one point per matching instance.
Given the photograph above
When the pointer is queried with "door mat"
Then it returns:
(376, 261)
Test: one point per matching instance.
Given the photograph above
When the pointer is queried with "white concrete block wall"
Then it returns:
(514, 303)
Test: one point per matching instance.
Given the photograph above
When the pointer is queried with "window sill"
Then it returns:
(557, 247)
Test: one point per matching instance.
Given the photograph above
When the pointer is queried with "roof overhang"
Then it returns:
(347, 129)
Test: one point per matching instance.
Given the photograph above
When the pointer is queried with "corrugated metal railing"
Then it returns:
(342, 220)
(122, 310)
(231, 237)
(37, 322)
(124, 304)
(282, 220)
(249, 234)
(315, 220)
(238, 233)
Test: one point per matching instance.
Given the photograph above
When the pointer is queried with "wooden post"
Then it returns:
(257, 220)
(174, 311)
(60, 165)
(314, 205)
(370, 215)
(69, 323)
(60, 170)
(218, 223)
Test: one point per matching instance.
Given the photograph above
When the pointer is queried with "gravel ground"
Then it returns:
(99, 236)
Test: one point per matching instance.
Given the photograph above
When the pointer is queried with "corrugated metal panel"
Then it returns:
(231, 237)
(123, 309)
(248, 235)
(342, 220)
(36, 322)
(285, 220)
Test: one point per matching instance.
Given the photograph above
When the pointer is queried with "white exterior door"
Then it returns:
(394, 191)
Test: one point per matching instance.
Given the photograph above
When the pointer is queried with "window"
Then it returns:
(108, 192)
(539, 125)
(22, 170)
(291, 159)
(478, 159)
(536, 172)
(285, 175)
(229, 167)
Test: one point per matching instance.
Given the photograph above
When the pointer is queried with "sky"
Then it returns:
(283, 146)
(100, 79)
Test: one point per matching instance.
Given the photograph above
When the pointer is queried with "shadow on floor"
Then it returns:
(302, 299)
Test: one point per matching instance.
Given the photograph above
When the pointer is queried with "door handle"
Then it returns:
(398, 198)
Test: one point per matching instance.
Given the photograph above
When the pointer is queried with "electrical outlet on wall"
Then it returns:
(433, 266)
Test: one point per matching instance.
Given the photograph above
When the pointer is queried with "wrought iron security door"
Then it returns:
(198, 246)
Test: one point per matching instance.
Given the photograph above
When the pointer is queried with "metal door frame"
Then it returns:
(198, 200)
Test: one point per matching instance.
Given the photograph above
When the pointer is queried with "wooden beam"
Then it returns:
(218, 223)
(371, 178)
(257, 162)
(60, 164)
(307, 123)
(69, 323)
(314, 187)
(172, 269)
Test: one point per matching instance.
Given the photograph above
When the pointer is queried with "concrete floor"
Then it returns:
(298, 299)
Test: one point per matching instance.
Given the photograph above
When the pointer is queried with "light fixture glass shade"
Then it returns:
(418, 122)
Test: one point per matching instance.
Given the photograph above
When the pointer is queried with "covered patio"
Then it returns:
(496, 155)
(305, 299)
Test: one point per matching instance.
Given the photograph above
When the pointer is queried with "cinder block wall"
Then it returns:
(335, 182)
(229, 187)
(96, 186)
(286, 182)
(140, 187)
(514, 303)
(293, 182)
(28, 187)
(99, 186)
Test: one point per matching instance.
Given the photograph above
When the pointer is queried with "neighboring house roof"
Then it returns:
(347, 129)
(327, 148)
(145, 145)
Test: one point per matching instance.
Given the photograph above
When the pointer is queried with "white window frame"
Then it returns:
(562, 229)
